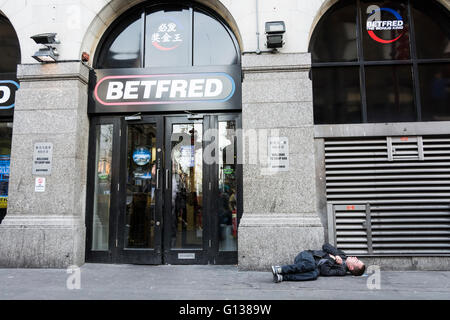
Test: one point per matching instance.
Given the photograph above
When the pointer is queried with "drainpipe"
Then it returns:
(258, 51)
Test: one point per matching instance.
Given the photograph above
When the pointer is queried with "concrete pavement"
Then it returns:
(168, 282)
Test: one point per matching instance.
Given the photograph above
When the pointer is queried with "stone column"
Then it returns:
(280, 217)
(47, 229)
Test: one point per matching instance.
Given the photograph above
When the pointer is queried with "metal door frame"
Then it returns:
(140, 255)
(185, 255)
(116, 253)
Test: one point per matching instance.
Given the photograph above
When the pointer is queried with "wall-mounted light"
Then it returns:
(49, 53)
(274, 34)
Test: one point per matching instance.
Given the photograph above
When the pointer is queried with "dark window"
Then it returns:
(402, 60)
(213, 44)
(389, 94)
(169, 35)
(336, 95)
(122, 49)
(9, 45)
(435, 91)
(337, 30)
(432, 28)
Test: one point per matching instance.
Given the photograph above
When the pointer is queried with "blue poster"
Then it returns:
(4, 179)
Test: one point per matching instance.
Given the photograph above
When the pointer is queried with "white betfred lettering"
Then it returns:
(131, 90)
(115, 90)
(213, 88)
(148, 87)
(161, 87)
(385, 25)
(196, 88)
(178, 86)
(5, 94)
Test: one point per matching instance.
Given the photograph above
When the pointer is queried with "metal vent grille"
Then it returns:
(389, 195)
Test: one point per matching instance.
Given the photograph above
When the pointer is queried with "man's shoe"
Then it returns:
(276, 270)
(277, 278)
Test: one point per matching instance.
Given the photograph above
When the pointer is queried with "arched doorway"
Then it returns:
(165, 90)
(9, 46)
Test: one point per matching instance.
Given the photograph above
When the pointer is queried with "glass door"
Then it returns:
(226, 177)
(140, 192)
(186, 233)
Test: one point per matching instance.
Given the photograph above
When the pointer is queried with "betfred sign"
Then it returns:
(8, 93)
(146, 90)
(158, 89)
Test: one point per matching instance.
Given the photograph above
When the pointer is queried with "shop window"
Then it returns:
(337, 30)
(401, 65)
(5, 157)
(9, 45)
(10, 49)
(212, 42)
(389, 94)
(435, 91)
(167, 36)
(336, 95)
(123, 48)
(432, 30)
(385, 30)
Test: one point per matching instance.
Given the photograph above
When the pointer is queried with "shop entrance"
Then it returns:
(166, 189)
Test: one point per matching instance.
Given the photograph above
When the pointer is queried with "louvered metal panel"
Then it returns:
(389, 196)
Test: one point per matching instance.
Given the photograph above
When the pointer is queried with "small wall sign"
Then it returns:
(42, 158)
(39, 185)
(278, 152)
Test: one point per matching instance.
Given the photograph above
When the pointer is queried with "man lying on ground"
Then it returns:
(309, 264)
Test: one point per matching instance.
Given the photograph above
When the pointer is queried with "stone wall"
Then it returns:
(47, 229)
(279, 217)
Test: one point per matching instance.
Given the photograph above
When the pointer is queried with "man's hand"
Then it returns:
(338, 260)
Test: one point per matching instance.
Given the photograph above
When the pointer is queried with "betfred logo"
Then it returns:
(375, 23)
(164, 89)
(7, 93)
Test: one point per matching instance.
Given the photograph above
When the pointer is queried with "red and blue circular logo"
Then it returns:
(374, 23)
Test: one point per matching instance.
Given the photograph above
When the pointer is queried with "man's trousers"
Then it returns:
(303, 269)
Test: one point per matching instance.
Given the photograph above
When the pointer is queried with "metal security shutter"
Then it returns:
(389, 195)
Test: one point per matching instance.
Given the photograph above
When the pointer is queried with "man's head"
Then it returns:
(355, 266)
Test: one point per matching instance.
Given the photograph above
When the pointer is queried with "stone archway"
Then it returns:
(115, 8)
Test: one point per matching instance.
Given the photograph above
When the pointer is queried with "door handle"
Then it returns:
(157, 178)
(167, 179)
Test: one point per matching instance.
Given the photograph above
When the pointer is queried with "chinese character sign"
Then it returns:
(167, 37)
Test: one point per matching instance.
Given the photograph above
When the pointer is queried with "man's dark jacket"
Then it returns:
(328, 266)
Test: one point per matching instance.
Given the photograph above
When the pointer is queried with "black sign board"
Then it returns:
(8, 88)
(165, 89)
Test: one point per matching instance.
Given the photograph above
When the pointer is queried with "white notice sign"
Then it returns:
(42, 158)
(278, 152)
(39, 185)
